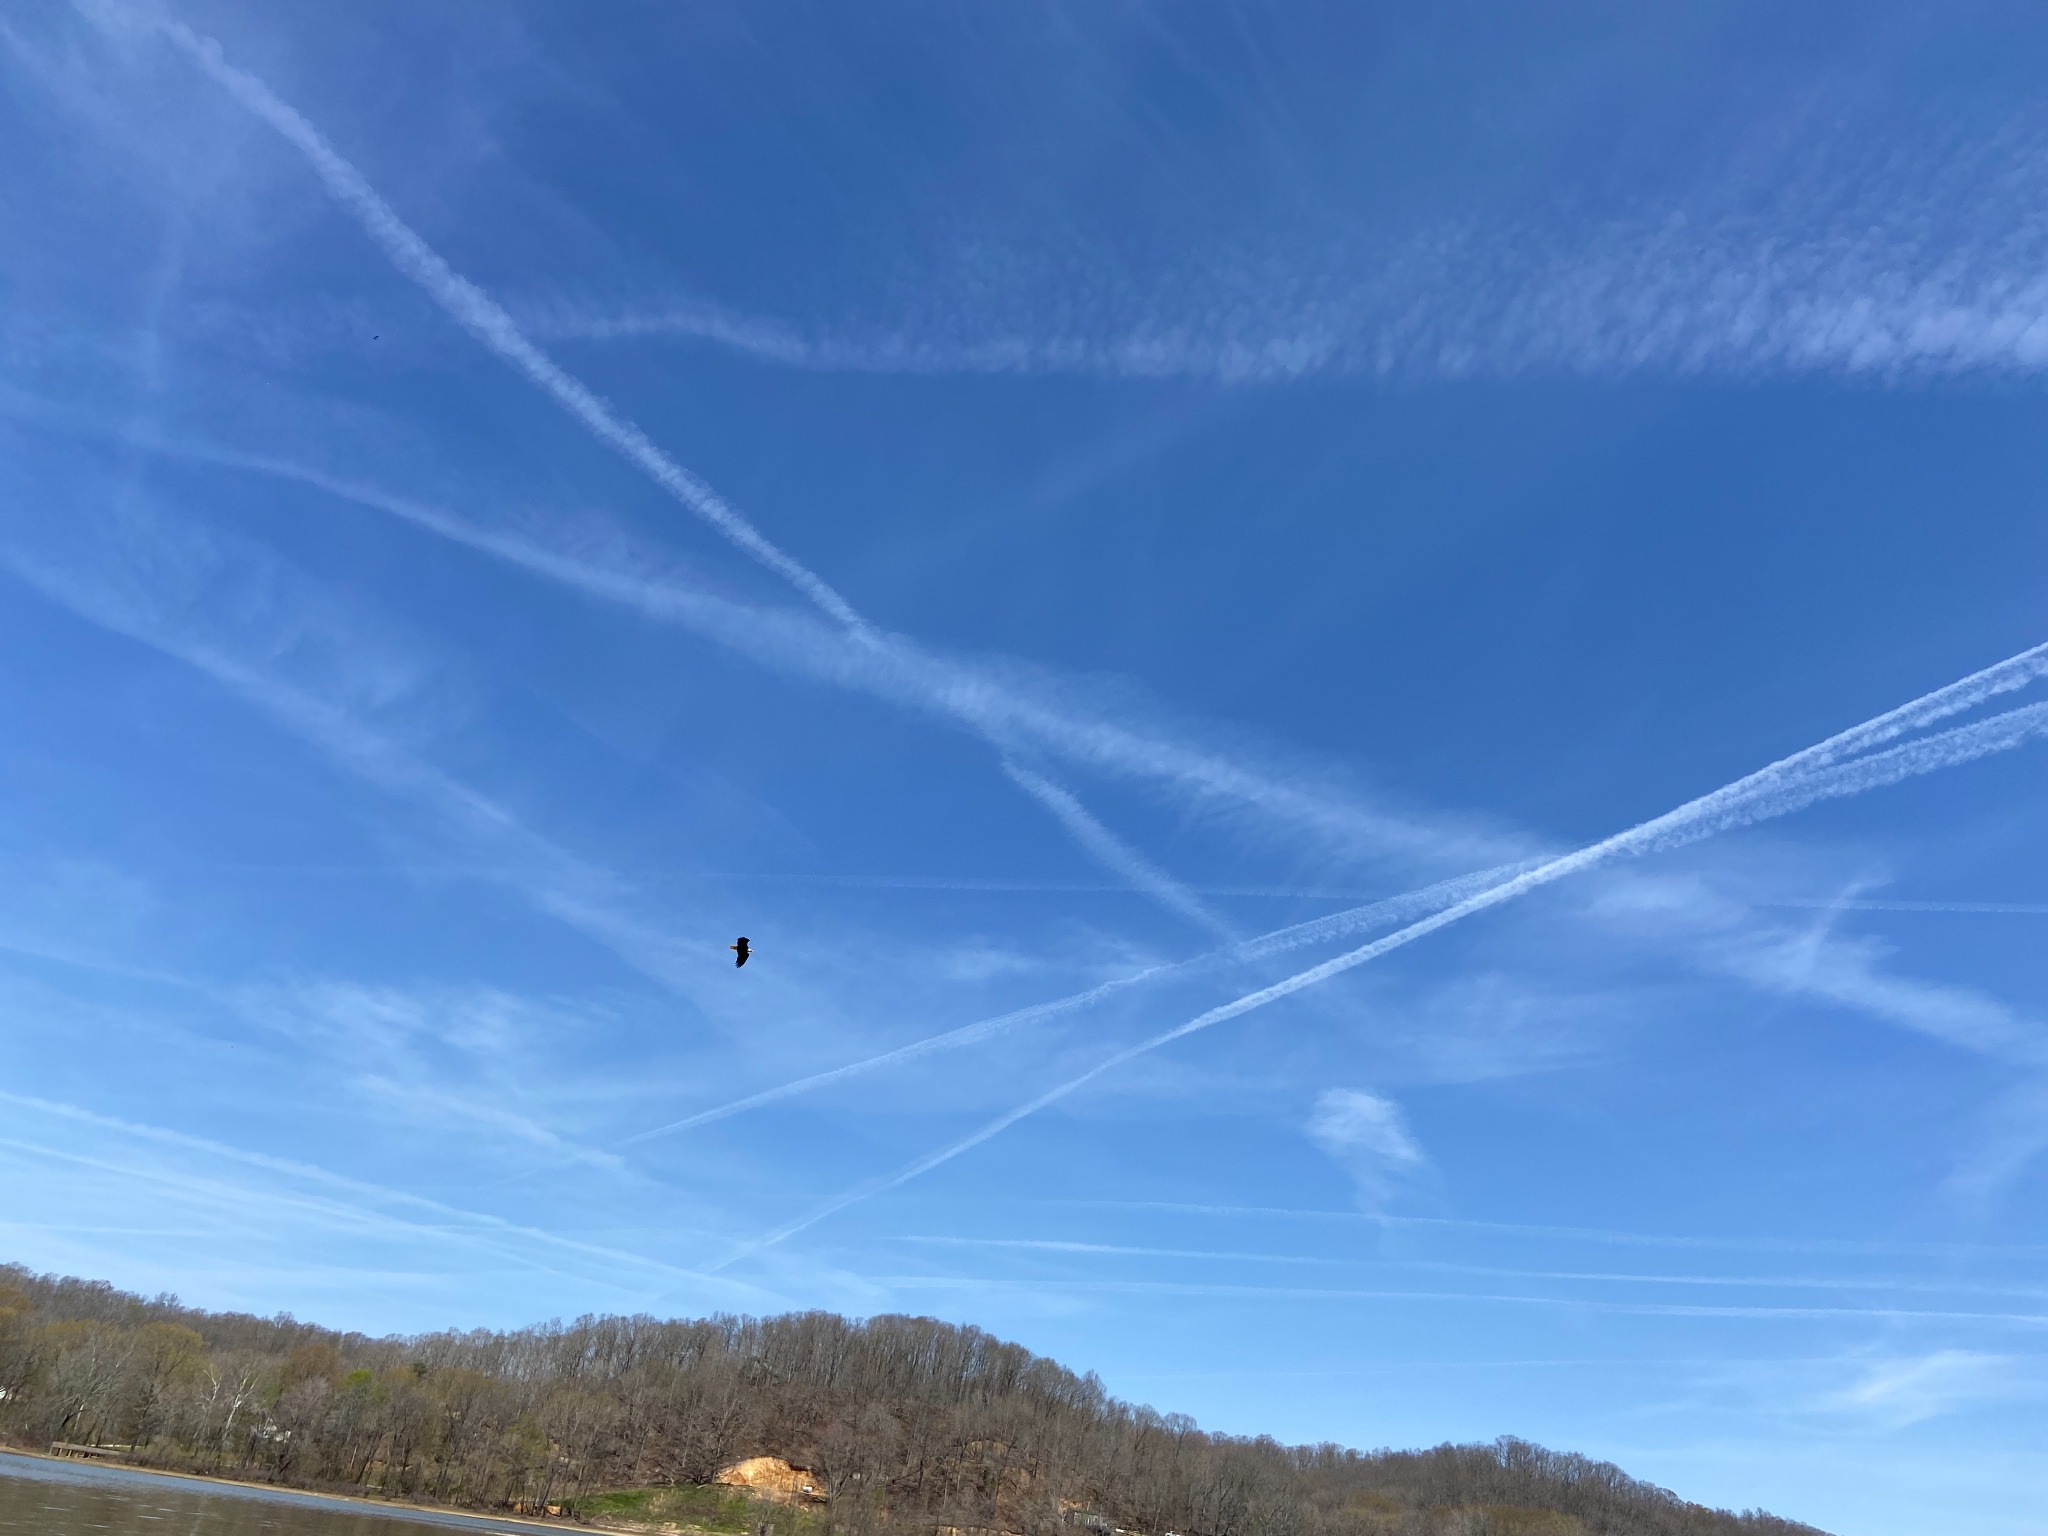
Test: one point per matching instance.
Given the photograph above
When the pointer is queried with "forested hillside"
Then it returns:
(904, 1425)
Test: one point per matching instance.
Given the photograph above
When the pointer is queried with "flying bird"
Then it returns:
(739, 951)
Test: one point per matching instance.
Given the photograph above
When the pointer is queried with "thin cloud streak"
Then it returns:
(503, 1235)
(1896, 1393)
(1843, 270)
(1845, 974)
(1001, 715)
(474, 310)
(420, 1100)
(2016, 1133)
(1812, 963)
(587, 899)
(581, 896)
(1378, 914)
(1966, 908)
(1577, 1234)
(1000, 710)
(890, 668)
(547, 1250)
(1608, 319)
(1792, 783)
(1112, 852)
(1440, 1266)
(1949, 749)
(1853, 779)
(492, 325)
(240, 1200)
(999, 886)
(1564, 1303)
(553, 880)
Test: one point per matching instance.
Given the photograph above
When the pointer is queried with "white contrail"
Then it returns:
(1972, 908)
(1111, 851)
(1774, 790)
(1806, 1282)
(1963, 744)
(896, 669)
(892, 668)
(1038, 1287)
(1574, 1234)
(1844, 268)
(487, 320)
(484, 318)
(446, 1219)
(554, 880)
(1379, 914)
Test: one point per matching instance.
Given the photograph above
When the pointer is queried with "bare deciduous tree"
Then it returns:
(904, 1425)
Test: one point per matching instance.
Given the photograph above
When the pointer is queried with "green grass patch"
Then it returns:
(694, 1507)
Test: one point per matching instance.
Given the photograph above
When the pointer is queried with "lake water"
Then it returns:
(76, 1498)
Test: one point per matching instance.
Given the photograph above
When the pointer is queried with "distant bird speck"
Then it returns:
(739, 951)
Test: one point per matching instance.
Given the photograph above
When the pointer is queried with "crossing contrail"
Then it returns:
(1833, 768)
(1827, 770)
(487, 320)
(1391, 911)
(1112, 852)
(1000, 710)
(1948, 749)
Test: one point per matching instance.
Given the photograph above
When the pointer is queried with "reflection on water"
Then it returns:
(66, 1498)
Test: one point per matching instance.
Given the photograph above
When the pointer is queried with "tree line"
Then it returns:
(906, 1425)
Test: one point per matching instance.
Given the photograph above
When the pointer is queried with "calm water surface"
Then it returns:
(62, 1498)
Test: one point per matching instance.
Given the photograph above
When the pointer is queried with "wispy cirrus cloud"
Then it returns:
(2005, 1320)
(1111, 851)
(606, 564)
(495, 327)
(1907, 1389)
(1813, 961)
(1089, 1253)
(1368, 1136)
(1867, 757)
(1391, 912)
(240, 618)
(1828, 251)
(1000, 699)
(1650, 296)
(1831, 767)
(313, 1193)
(503, 1063)
(1876, 764)
(2013, 1135)
(468, 304)
(1604, 1236)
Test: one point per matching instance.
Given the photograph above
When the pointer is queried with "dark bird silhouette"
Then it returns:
(739, 951)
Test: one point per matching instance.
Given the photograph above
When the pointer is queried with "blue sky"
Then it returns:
(1018, 510)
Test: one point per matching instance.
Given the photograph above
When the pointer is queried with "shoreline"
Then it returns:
(445, 1513)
